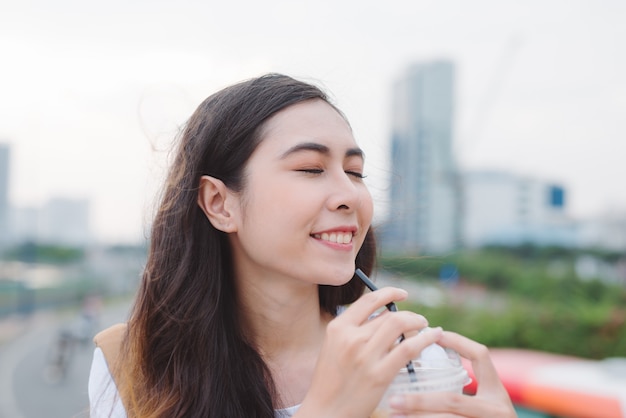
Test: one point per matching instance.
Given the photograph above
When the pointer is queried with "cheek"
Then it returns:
(278, 199)
(366, 213)
(271, 203)
(367, 207)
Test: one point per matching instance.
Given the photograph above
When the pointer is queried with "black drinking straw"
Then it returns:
(391, 307)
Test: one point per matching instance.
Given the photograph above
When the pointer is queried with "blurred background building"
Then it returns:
(4, 194)
(501, 208)
(425, 199)
(607, 231)
(65, 221)
(435, 207)
(59, 220)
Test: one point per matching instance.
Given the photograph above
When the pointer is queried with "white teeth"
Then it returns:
(337, 237)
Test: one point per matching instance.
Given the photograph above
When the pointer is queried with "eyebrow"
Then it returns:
(319, 148)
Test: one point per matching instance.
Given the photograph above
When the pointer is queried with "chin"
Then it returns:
(338, 277)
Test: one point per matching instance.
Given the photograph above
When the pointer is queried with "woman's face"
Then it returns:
(304, 210)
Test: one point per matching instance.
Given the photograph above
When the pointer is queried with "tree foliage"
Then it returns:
(42, 253)
(543, 304)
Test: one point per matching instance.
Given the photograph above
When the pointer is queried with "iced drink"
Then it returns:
(437, 369)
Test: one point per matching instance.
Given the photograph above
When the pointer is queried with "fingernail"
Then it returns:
(404, 291)
(396, 401)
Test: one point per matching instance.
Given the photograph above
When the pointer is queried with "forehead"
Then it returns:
(309, 121)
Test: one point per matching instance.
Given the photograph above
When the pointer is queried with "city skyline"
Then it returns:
(93, 95)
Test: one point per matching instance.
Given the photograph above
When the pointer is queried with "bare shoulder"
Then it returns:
(110, 342)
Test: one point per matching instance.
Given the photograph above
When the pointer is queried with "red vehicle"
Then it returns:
(561, 386)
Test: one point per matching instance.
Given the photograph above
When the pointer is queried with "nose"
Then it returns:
(344, 193)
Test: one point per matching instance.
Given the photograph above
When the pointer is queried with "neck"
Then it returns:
(285, 324)
(281, 317)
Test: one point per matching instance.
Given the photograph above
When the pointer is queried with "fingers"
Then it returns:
(369, 303)
(390, 356)
(478, 354)
(491, 400)
(383, 331)
(446, 404)
(410, 348)
(388, 326)
(433, 402)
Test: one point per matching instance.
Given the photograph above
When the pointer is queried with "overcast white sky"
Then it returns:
(91, 93)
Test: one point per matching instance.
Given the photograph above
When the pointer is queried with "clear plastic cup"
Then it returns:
(438, 369)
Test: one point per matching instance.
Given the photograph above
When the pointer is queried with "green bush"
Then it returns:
(40, 253)
(543, 304)
(590, 332)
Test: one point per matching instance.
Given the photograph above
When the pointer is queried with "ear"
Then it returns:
(214, 198)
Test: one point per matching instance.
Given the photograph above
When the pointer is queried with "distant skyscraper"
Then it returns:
(425, 200)
(4, 194)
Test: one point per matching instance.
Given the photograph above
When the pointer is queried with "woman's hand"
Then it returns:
(491, 399)
(360, 356)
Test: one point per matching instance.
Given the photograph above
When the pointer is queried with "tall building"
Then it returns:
(4, 194)
(424, 210)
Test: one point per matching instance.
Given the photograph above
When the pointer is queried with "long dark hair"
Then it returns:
(186, 354)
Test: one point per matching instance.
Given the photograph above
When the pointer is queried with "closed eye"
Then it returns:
(356, 174)
(311, 170)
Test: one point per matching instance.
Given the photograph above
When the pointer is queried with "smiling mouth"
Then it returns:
(336, 237)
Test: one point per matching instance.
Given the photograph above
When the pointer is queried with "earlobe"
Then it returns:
(213, 199)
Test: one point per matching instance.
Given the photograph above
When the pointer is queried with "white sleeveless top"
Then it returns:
(105, 402)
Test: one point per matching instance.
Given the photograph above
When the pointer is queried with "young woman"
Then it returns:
(264, 218)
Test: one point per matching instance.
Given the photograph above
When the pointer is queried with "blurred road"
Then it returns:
(27, 389)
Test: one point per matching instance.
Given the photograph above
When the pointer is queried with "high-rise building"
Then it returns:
(4, 194)
(424, 210)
